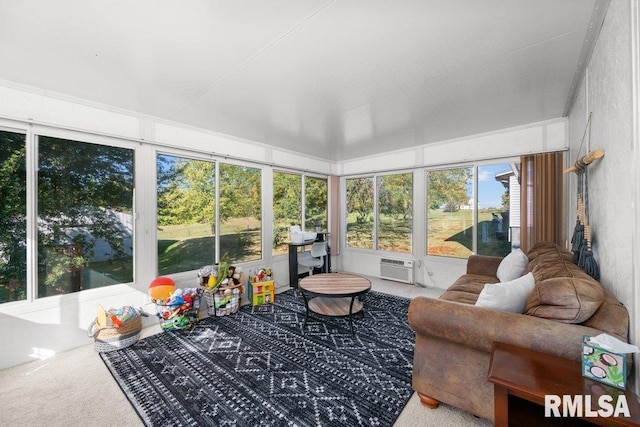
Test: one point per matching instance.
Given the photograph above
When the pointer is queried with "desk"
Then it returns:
(523, 377)
(293, 257)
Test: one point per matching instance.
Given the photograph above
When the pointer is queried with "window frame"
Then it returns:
(375, 211)
(474, 196)
(473, 210)
(303, 195)
(32, 301)
(29, 292)
(261, 170)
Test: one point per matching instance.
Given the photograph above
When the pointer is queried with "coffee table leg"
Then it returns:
(306, 314)
(353, 299)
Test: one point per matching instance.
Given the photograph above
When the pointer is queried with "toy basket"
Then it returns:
(174, 317)
(110, 338)
(223, 300)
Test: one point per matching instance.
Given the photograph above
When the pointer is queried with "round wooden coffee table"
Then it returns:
(334, 294)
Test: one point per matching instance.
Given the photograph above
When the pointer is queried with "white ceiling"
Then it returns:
(334, 79)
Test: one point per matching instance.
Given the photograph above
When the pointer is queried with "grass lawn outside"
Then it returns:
(451, 234)
(190, 247)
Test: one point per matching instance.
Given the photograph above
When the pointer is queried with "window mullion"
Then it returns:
(375, 212)
(217, 212)
(32, 214)
(474, 233)
(303, 202)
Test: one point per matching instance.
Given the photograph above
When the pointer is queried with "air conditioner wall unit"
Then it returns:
(396, 269)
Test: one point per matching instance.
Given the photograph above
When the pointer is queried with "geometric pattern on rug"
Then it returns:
(258, 367)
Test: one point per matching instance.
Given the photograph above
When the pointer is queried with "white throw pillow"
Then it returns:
(512, 266)
(507, 296)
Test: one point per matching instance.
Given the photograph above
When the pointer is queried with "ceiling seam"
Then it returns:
(593, 32)
(251, 58)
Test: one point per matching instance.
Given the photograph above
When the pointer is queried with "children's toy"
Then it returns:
(261, 292)
(161, 287)
(179, 310)
(115, 328)
(224, 296)
(260, 275)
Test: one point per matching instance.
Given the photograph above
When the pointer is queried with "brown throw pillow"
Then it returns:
(563, 291)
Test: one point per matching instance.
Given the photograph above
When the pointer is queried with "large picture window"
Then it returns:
(458, 226)
(293, 206)
(240, 207)
(287, 207)
(315, 197)
(450, 212)
(186, 213)
(360, 216)
(498, 198)
(85, 216)
(13, 214)
(380, 212)
(395, 212)
(191, 224)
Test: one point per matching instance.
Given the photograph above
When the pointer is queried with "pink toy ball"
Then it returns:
(161, 288)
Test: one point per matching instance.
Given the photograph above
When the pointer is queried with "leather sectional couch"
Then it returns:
(454, 336)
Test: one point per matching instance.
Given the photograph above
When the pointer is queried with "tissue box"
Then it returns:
(603, 365)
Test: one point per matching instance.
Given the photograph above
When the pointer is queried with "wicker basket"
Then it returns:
(179, 317)
(223, 300)
(111, 338)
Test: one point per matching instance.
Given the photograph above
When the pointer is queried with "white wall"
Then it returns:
(609, 93)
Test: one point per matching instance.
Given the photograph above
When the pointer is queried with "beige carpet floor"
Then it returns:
(74, 388)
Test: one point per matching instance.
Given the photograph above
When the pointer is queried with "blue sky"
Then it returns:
(490, 191)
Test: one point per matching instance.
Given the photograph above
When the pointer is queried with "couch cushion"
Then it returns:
(563, 291)
(467, 288)
(612, 317)
(507, 296)
(546, 252)
(512, 266)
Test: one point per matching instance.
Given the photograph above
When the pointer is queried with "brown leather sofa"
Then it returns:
(454, 337)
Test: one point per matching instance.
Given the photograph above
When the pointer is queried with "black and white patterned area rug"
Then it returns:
(258, 367)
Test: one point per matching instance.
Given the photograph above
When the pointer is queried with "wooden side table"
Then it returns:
(523, 377)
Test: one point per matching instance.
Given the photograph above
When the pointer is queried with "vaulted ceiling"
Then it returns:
(335, 79)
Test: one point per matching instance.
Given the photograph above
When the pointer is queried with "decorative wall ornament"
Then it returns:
(581, 240)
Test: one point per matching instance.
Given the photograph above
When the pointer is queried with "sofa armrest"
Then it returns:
(483, 265)
(479, 327)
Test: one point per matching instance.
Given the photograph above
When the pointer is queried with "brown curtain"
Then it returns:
(541, 204)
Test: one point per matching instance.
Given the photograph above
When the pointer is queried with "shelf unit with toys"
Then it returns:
(261, 288)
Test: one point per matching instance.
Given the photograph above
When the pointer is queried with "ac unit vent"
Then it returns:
(396, 269)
